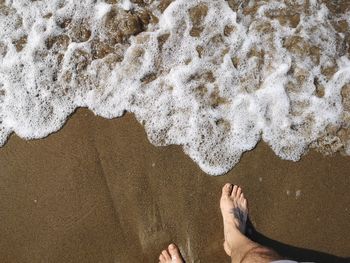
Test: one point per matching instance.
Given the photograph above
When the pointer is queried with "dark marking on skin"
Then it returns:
(238, 214)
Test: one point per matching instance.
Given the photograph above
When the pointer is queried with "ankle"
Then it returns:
(240, 252)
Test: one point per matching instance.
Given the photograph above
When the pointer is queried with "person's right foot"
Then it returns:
(234, 211)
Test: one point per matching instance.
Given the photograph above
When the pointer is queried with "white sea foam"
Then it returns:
(208, 75)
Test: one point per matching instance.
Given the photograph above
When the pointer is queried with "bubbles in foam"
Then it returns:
(212, 76)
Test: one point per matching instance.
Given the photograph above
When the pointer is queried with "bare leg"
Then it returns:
(172, 255)
(234, 209)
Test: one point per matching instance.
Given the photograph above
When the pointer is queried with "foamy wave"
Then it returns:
(213, 76)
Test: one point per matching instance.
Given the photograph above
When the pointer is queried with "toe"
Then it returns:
(174, 252)
(239, 191)
(241, 200)
(234, 191)
(166, 255)
(241, 197)
(245, 204)
(161, 258)
(227, 189)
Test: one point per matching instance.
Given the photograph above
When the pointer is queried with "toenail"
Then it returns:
(172, 246)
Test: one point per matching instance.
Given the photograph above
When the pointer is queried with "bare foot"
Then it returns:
(172, 255)
(234, 211)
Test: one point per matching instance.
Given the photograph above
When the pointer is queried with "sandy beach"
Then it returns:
(266, 81)
(98, 191)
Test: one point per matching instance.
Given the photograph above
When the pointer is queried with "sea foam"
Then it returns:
(213, 76)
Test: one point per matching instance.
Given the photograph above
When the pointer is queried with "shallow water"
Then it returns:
(213, 76)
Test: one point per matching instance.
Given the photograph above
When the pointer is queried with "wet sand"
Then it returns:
(98, 191)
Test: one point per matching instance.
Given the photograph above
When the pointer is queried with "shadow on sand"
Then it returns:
(292, 252)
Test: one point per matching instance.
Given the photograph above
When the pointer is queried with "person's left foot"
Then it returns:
(172, 255)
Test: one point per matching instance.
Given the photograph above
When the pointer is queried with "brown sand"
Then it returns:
(98, 191)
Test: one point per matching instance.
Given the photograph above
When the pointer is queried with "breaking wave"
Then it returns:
(213, 76)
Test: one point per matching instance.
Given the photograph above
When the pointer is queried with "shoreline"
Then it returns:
(97, 190)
